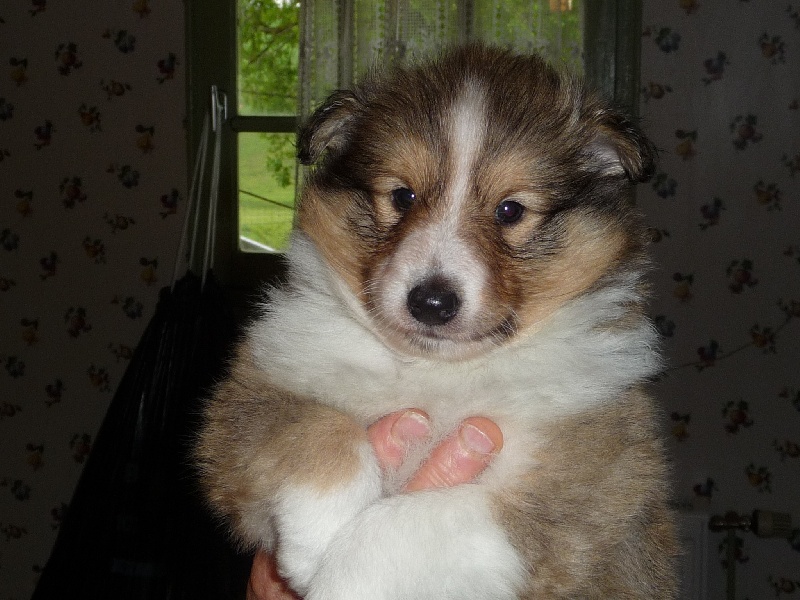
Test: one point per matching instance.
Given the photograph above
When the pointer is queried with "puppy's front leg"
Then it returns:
(309, 513)
(441, 544)
(286, 472)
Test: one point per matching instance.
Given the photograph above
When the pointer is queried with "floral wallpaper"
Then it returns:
(92, 178)
(720, 96)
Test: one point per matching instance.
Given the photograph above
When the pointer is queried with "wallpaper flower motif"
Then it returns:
(725, 207)
(92, 182)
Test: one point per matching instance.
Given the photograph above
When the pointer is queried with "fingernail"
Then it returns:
(411, 426)
(475, 440)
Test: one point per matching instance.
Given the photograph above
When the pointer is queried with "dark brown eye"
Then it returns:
(508, 212)
(403, 198)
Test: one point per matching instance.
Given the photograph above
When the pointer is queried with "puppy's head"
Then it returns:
(464, 200)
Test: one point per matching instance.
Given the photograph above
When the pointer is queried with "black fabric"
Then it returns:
(136, 527)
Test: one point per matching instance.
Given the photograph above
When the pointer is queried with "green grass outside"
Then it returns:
(260, 220)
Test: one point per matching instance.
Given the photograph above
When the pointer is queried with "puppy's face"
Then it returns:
(464, 201)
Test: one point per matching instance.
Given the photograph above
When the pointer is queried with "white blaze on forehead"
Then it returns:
(448, 251)
(438, 248)
(467, 131)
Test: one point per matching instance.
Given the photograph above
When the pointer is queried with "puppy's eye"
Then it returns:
(403, 198)
(508, 212)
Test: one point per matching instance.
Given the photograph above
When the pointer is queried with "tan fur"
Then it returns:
(257, 437)
(591, 517)
(594, 249)
(329, 219)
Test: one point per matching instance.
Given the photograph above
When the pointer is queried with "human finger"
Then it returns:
(391, 436)
(265, 583)
(461, 457)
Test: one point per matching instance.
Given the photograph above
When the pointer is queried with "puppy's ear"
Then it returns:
(328, 128)
(619, 148)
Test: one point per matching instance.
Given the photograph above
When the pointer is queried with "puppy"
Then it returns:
(465, 245)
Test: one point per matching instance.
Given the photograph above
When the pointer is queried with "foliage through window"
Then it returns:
(339, 41)
(267, 85)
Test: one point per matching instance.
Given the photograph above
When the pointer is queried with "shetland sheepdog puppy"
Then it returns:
(465, 245)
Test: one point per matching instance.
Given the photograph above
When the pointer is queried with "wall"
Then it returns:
(92, 181)
(720, 94)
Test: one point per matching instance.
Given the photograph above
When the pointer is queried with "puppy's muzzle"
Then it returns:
(433, 302)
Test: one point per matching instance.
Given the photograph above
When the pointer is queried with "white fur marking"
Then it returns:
(443, 544)
(468, 129)
(307, 520)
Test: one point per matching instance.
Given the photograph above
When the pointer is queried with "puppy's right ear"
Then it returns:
(328, 128)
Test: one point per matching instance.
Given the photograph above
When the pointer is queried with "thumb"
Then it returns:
(461, 457)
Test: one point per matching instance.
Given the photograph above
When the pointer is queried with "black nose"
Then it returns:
(433, 302)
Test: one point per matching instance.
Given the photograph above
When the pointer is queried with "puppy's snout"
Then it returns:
(433, 302)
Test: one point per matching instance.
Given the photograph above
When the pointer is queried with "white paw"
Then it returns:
(307, 519)
(441, 544)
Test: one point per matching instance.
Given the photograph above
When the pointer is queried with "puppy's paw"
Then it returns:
(308, 516)
(441, 544)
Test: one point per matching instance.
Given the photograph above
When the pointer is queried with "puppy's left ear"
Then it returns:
(619, 148)
(328, 128)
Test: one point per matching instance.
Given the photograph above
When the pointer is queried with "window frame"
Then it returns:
(612, 29)
(211, 39)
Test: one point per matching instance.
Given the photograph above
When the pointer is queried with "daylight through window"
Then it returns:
(276, 81)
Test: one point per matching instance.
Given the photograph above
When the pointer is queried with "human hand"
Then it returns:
(265, 583)
(458, 459)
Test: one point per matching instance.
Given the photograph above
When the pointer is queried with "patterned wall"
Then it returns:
(92, 175)
(92, 179)
(720, 96)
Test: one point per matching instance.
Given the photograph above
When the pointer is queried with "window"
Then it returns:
(277, 59)
(267, 45)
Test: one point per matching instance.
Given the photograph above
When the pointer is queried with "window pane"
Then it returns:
(266, 190)
(268, 50)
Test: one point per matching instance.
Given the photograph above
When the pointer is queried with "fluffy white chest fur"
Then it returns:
(316, 340)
